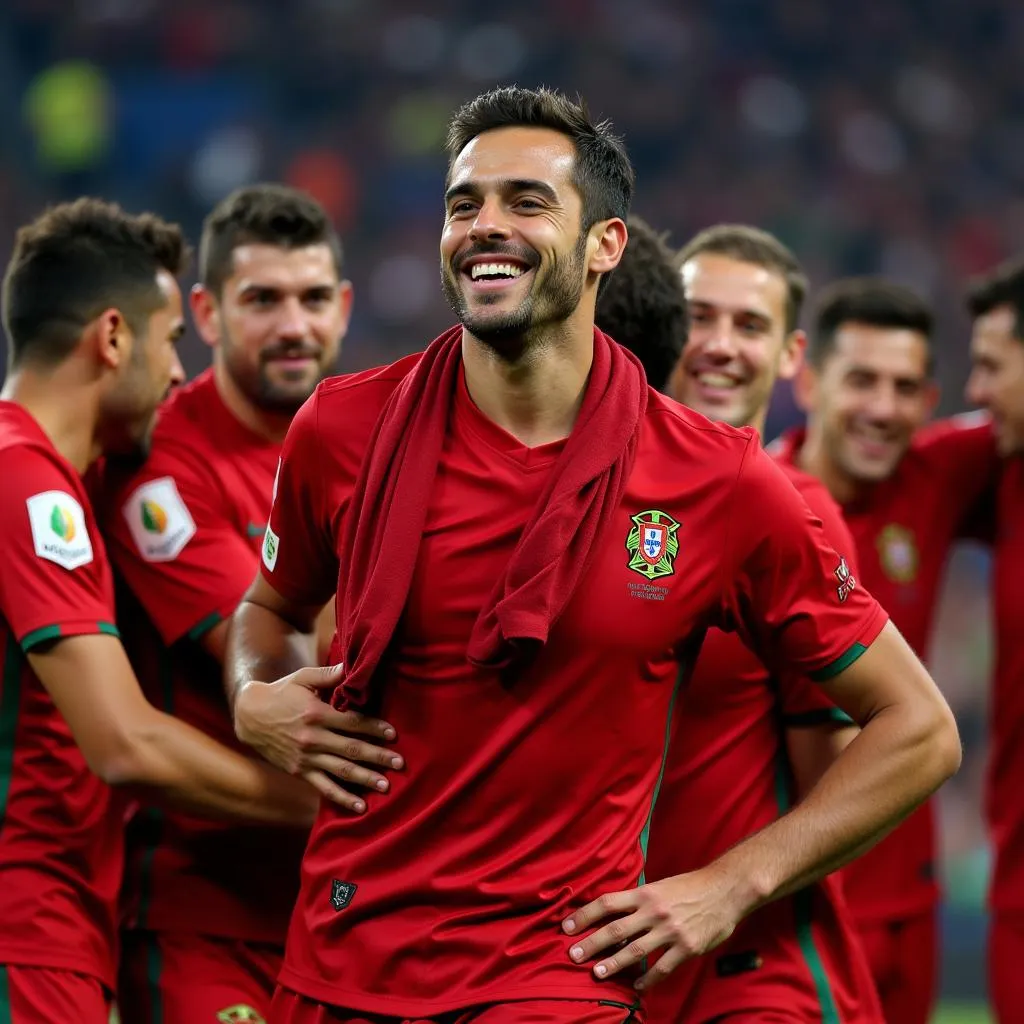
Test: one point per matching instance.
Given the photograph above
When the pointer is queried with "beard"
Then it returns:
(254, 379)
(552, 298)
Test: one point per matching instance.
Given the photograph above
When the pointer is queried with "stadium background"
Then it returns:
(885, 137)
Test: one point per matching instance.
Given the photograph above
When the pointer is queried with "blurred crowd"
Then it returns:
(876, 138)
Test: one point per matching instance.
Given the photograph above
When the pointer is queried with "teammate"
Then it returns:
(907, 492)
(996, 303)
(532, 545)
(642, 304)
(92, 312)
(744, 744)
(208, 903)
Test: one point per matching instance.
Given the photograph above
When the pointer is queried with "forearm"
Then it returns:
(896, 761)
(263, 646)
(176, 764)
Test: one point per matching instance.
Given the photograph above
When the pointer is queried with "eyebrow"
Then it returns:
(470, 190)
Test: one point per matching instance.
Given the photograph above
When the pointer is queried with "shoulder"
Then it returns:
(674, 431)
(366, 390)
(969, 431)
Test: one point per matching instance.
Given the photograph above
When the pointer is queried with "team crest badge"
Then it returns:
(342, 893)
(898, 553)
(653, 544)
(240, 1014)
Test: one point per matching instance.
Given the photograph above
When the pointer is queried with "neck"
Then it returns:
(270, 425)
(813, 459)
(66, 410)
(757, 421)
(537, 397)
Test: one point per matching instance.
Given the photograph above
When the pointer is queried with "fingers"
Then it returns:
(347, 772)
(627, 933)
(354, 722)
(319, 677)
(604, 906)
(348, 748)
(330, 790)
(667, 963)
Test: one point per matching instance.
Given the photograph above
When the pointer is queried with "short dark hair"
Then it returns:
(1001, 286)
(602, 173)
(872, 301)
(268, 214)
(643, 306)
(73, 262)
(748, 244)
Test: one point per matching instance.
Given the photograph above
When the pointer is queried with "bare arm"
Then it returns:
(907, 747)
(286, 720)
(127, 742)
(813, 747)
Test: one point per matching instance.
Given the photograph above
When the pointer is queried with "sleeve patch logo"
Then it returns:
(58, 529)
(847, 582)
(653, 544)
(271, 546)
(160, 522)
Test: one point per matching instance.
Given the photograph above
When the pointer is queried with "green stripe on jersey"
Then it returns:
(6, 1014)
(645, 835)
(844, 661)
(10, 699)
(204, 625)
(154, 817)
(803, 909)
(154, 970)
(107, 629)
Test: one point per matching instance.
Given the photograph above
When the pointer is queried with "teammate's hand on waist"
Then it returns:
(685, 915)
(288, 723)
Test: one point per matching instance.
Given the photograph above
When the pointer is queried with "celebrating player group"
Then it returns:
(518, 681)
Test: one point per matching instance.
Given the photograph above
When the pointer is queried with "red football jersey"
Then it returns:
(727, 770)
(1004, 807)
(904, 528)
(60, 826)
(525, 798)
(184, 535)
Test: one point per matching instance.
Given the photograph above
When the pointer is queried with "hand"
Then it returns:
(685, 915)
(288, 723)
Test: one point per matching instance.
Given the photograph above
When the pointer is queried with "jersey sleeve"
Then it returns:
(298, 557)
(173, 540)
(787, 589)
(54, 579)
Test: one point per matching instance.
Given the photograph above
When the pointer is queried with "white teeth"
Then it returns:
(495, 270)
(716, 380)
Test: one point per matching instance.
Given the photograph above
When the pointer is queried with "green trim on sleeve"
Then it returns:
(6, 1014)
(821, 716)
(38, 636)
(844, 661)
(108, 629)
(204, 626)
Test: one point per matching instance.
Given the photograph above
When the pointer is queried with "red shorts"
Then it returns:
(290, 1008)
(172, 978)
(1005, 977)
(40, 995)
(903, 955)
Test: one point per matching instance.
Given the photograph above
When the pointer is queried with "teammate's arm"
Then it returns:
(127, 742)
(285, 719)
(908, 745)
(813, 746)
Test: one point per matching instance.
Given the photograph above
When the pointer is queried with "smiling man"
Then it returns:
(208, 904)
(527, 544)
(908, 492)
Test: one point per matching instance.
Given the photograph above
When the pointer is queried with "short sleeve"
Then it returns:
(787, 590)
(172, 538)
(54, 578)
(298, 557)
